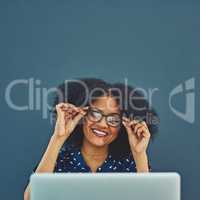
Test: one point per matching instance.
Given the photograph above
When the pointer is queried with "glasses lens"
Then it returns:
(94, 115)
(114, 120)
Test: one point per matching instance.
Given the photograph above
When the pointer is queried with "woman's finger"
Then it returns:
(83, 110)
(146, 129)
(130, 131)
(144, 123)
(128, 128)
(59, 111)
(146, 133)
(66, 106)
(139, 132)
(125, 119)
(62, 104)
(137, 126)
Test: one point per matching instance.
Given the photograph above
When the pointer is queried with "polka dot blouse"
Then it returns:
(70, 159)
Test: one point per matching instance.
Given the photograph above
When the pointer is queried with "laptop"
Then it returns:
(105, 186)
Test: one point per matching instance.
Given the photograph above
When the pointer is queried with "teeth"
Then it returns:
(99, 133)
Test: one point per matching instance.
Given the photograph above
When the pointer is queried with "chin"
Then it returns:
(98, 143)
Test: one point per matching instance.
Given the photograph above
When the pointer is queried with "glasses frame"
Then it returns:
(104, 115)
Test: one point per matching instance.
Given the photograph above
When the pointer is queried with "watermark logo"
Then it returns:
(186, 88)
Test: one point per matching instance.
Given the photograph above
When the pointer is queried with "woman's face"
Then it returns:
(101, 133)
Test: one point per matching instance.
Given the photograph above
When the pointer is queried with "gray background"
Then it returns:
(154, 44)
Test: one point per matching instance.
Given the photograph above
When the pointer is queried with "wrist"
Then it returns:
(139, 155)
(57, 141)
(141, 161)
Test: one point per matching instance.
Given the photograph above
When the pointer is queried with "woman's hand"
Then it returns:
(68, 117)
(138, 135)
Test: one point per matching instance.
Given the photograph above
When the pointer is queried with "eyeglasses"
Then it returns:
(96, 115)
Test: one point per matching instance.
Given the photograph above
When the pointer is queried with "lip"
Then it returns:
(99, 133)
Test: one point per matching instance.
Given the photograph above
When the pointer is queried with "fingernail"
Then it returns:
(82, 112)
(85, 108)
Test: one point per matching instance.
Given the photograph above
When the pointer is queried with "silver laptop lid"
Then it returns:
(105, 186)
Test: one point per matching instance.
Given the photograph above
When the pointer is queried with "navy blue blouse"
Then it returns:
(70, 159)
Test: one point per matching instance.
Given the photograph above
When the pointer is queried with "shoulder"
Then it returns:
(66, 152)
(65, 159)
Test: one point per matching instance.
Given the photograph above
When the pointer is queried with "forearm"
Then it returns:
(48, 161)
(141, 161)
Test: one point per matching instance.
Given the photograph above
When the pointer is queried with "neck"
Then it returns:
(94, 152)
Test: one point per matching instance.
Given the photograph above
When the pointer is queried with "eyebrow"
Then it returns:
(113, 113)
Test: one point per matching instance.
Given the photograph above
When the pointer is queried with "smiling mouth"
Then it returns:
(99, 133)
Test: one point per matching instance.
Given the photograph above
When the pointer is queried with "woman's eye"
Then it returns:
(95, 114)
(114, 120)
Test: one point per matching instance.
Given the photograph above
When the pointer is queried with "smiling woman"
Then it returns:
(97, 130)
